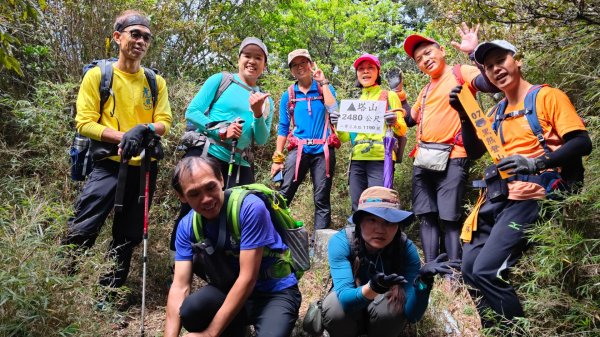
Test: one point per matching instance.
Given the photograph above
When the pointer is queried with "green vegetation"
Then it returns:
(43, 45)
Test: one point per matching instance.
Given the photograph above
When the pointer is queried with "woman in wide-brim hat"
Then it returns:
(378, 282)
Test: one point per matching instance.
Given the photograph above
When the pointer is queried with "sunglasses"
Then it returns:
(136, 35)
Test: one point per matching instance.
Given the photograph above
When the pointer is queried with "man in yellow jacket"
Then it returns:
(129, 118)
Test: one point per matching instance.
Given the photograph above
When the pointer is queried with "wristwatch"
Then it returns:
(423, 285)
(324, 82)
(151, 127)
(223, 133)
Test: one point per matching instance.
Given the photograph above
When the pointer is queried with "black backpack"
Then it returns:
(81, 156)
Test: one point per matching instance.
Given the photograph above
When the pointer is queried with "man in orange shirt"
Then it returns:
(499, 238)
(438, 187)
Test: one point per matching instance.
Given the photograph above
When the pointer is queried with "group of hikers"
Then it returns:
(379, 283)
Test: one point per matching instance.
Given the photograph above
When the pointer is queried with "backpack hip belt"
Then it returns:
(245, 153)
(550, 181)
(371, 143)
(301, 143)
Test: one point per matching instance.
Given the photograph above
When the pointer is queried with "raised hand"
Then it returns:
(318, 74)
(257, 101)
(469, 38)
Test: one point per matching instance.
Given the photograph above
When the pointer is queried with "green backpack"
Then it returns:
(292, 232)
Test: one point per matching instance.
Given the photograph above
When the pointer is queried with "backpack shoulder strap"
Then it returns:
(497, 111)
(197, 226)
(151, 78)
(226, 80)
(531, 115)
(234, 206)
(106, 79)
(243, 85)
(384, 96)
(458, 74)
(291, 105)
(460, 79)
(350, 229)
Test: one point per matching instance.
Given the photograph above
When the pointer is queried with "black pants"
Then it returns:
(272, 314)
(246, 177)
(364, 174)
(95, 203)
(497, 244)
(439, 195)
(321, 184)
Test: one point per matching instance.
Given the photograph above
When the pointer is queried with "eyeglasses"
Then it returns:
(136, 35)
(296, 65)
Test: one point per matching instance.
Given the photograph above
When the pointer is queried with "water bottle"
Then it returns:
(81, 143)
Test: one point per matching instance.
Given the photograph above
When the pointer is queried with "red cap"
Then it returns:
(367, 57)
(413, 40)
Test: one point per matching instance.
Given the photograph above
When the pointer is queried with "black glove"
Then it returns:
(456, 104)
(438, 266)
(381, 283)
(519, 164)
(156, 147)
(390, 117)
(133, 140)
(394, 78)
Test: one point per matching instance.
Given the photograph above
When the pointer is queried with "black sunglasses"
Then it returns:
(136, 35)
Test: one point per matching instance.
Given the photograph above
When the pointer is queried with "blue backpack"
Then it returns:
(550, 180)
(81, 156)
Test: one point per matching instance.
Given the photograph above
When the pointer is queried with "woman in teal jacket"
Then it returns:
(378, 281)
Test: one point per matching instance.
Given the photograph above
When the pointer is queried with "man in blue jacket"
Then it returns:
(246, 286)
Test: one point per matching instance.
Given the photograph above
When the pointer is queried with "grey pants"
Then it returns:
(376, 320)
(321, 184)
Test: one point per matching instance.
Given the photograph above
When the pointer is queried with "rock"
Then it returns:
(320, 248)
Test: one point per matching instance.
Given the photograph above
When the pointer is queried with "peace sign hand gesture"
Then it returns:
(318, 74)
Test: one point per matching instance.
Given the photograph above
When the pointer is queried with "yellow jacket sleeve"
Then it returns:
(88, 106)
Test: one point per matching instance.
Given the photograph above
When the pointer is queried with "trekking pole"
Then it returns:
(232, 154)
(146, 172)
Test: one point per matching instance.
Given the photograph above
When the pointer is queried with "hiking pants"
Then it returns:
(430, 228)
(321, 184)
(272, 314)
(364, 174)
(246, 177)
(440, 192)
(377, 320)
(95, 203)
(497, 244)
